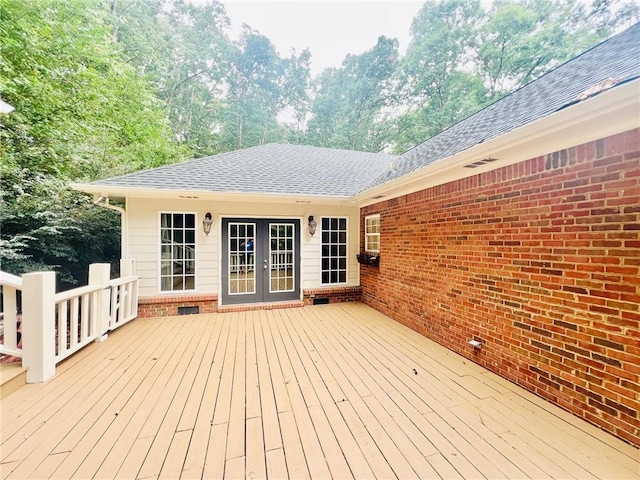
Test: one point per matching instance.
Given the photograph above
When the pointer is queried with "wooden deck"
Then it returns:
(336, 391)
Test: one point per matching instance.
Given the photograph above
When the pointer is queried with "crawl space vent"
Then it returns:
(188, 310)
(320, 301)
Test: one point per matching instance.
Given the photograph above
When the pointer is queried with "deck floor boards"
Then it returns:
(334, 391)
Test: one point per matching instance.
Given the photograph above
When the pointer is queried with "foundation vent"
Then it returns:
(188, 310)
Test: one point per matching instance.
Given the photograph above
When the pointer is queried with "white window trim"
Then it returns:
(159, 256)
(368, 235)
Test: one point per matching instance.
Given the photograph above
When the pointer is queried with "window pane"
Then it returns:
(177, 251)
(372, 234)
(334, 250)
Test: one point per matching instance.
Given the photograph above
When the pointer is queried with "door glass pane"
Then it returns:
(241, 262)
(281, 255)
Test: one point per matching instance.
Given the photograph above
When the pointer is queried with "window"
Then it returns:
(177, 251)
(372, 233)
(334, 250)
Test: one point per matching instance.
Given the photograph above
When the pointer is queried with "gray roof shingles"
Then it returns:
(267, 169)
(313, 171)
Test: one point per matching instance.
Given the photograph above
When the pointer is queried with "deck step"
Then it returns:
(12, 377)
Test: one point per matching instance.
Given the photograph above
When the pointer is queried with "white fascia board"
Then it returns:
(609, 113)
(119, 192)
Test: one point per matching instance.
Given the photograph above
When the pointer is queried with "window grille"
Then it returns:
(177, 252)
(334, 250)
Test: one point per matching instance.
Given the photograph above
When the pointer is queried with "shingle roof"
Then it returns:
(617, 57)
(267, 169)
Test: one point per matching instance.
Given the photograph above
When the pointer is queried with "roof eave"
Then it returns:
(122, 193)
(611, 112)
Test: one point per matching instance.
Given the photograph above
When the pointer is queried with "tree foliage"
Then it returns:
(80, 113)
(464, 56)
(182, 49)
(349, 100)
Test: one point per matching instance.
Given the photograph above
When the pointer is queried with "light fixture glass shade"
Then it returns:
(312, 225)
(206, 223)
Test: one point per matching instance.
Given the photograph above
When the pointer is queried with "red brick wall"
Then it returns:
(165, 306)
(334, 294)
(540, 261)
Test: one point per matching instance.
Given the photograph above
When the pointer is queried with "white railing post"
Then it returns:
(100, 274)
(127, 267)
(38, 325)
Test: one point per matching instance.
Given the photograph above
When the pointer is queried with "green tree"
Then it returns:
(181, 47)
(434, 88)
(349, 101)
(256, 94)
(463, 57)
(519, 41)
(297, 84)
(80, 113)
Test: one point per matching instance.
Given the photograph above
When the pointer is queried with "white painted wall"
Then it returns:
(143, 238)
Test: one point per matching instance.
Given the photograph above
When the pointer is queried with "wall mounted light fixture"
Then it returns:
(206, 223)
(312, 225)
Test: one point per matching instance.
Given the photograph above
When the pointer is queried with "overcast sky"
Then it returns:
(329, 28)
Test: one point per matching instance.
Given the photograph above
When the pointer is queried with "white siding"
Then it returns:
(143, 238)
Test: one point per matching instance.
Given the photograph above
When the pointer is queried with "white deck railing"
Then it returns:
(56, 325)
(124, 301)
(11, 285)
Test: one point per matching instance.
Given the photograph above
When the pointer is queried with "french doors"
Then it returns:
(260, 260)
